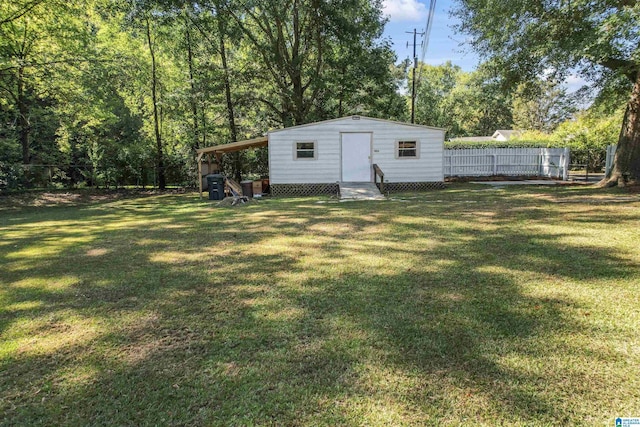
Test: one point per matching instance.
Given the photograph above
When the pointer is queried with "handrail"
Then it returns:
(378, 172)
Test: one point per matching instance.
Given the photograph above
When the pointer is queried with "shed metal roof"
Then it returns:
(355, 117)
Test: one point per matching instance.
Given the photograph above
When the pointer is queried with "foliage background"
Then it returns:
(80, 91)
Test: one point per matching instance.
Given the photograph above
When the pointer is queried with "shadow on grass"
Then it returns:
(166, 311)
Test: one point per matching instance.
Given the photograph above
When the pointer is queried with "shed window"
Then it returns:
(407, 149)
(305, 150)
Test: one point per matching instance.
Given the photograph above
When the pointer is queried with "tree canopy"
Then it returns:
(600, 40)
(123, 92)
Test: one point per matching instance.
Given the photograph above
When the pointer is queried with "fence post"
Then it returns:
(540, 162)
(559, 166)
(611, 151)
(565, 164)
(495, 164)
(452, 165)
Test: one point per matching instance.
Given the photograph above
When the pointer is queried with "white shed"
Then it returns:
(314, 158)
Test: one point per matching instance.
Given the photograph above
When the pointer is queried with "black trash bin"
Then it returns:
(215, 183)
(247, 188)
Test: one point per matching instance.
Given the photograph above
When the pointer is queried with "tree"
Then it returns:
(35, 43)
(103, 89)
(193, 97)
(525, 39)
(435, 96)
(162, 182)
(466, 104)
(14, 10)
(288, 39)
(312, 51)
(588, 135)
(541, 105)
(150, 19)
(360, 76)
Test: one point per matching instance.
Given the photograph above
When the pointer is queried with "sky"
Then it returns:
(444, 43)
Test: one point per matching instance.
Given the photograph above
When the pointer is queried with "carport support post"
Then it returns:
(200, 173)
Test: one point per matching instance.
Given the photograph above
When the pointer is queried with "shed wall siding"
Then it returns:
(326, 168)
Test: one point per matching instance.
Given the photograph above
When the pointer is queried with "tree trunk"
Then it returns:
(626, 163)
(237, 160)
(162, 181)
(227, 83)
(23, 118)
(343, 72)
(192, 97)
(203, 123)
(296, 69)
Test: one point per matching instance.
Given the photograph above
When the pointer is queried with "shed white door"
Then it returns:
(356, 157)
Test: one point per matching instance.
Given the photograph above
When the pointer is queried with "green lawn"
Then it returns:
(467, 306)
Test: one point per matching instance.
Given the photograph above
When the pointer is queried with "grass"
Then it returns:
(468, 306)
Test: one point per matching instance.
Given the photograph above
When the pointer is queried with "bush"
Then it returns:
(12, 177)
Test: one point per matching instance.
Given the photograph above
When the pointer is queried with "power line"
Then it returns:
(426, 35)
(427, 31)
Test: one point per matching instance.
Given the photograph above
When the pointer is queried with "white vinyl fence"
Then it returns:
(611, 152)
(549, 162)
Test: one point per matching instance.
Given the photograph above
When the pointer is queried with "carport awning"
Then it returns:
(219, 150)
(234, 146)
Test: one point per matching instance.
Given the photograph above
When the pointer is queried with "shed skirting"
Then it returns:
(399, 187)
(293, 190)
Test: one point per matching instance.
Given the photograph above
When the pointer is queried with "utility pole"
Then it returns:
(413, 80)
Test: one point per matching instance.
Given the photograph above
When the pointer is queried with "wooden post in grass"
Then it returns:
(200, 173)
